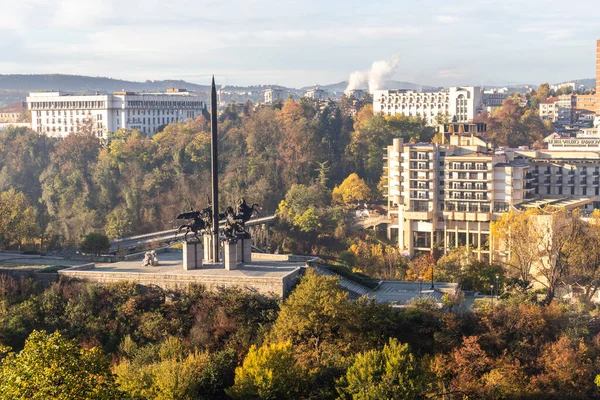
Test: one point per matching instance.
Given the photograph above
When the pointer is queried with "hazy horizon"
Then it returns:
(302, 44)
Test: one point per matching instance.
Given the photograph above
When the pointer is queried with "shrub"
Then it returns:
(94, 243)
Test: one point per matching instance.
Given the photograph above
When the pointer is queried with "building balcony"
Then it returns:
(570, 183)
(419, 185)
(420, 177)
(418, 215)
(467, 188)
(596, 183)
(596, 173)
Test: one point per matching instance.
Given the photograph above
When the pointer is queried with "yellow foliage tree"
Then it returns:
(268, 372)
(352, 190)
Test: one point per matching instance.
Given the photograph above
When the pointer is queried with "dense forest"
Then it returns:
(132, 183)
(76, 340)
(57, 190)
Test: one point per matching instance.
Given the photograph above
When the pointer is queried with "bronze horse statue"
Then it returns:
(201, 222)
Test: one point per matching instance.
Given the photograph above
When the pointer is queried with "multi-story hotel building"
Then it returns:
(598, 77)
(58, 114)
(446, 195)
(461, 102)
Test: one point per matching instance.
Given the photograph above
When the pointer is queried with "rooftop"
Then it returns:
(568, 203)
(13, 108)
(172, 264)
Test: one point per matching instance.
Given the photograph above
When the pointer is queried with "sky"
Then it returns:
(302, 43)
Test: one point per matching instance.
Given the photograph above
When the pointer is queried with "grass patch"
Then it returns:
(52, 269)
(353, 276)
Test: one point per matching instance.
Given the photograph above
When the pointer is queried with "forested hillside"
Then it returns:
(133, 183)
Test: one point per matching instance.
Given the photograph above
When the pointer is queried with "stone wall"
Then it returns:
(271, 286)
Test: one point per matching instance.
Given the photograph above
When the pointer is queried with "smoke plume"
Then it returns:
(375, 77)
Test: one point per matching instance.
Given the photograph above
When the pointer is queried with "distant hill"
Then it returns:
(78, 83)
(587, 83)
(341, 86)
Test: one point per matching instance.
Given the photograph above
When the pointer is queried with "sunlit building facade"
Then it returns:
(58, 114)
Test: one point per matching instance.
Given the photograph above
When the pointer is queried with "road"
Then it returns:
(169, 236)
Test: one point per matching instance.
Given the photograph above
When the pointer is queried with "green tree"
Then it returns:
(17, 218)
(172, 371)
(269, 372)
(308, 221)
(51, 367)
(315, 320)
(390, 373)
(94, 243)
(118, 223)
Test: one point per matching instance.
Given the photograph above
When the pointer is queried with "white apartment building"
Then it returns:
(446, 195)
(273, 95)
(549, 109)
(57, 114)
(316, 94)
(461, 102)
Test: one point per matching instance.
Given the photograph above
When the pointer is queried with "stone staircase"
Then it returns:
(351, 286)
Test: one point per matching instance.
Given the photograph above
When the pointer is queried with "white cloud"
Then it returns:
(446, 19)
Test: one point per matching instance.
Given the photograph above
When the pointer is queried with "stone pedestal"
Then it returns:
(246, 247)
(192, 255)
(208, 248)
(244, 250)
(230, 259)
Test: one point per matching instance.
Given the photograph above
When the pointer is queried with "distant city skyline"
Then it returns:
(303, 43)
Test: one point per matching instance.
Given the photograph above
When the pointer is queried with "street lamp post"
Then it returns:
(420, 285)
(492, 286)
(497, 286)
(432, 270)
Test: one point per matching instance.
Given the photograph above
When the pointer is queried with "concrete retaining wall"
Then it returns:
(281, 257)
(271, 286)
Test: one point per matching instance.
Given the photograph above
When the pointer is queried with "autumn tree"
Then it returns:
(516, 236)
(353, 190)
(268, 372)
(567, 371)
(52, 367)
(556, 233)
(584, 257)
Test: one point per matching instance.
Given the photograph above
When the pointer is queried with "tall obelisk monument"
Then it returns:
(214, 145)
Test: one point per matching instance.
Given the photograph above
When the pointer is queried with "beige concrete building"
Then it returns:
(273, 95)
(549, 109)
(446, 195)
(13, 113)
(598, 77)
